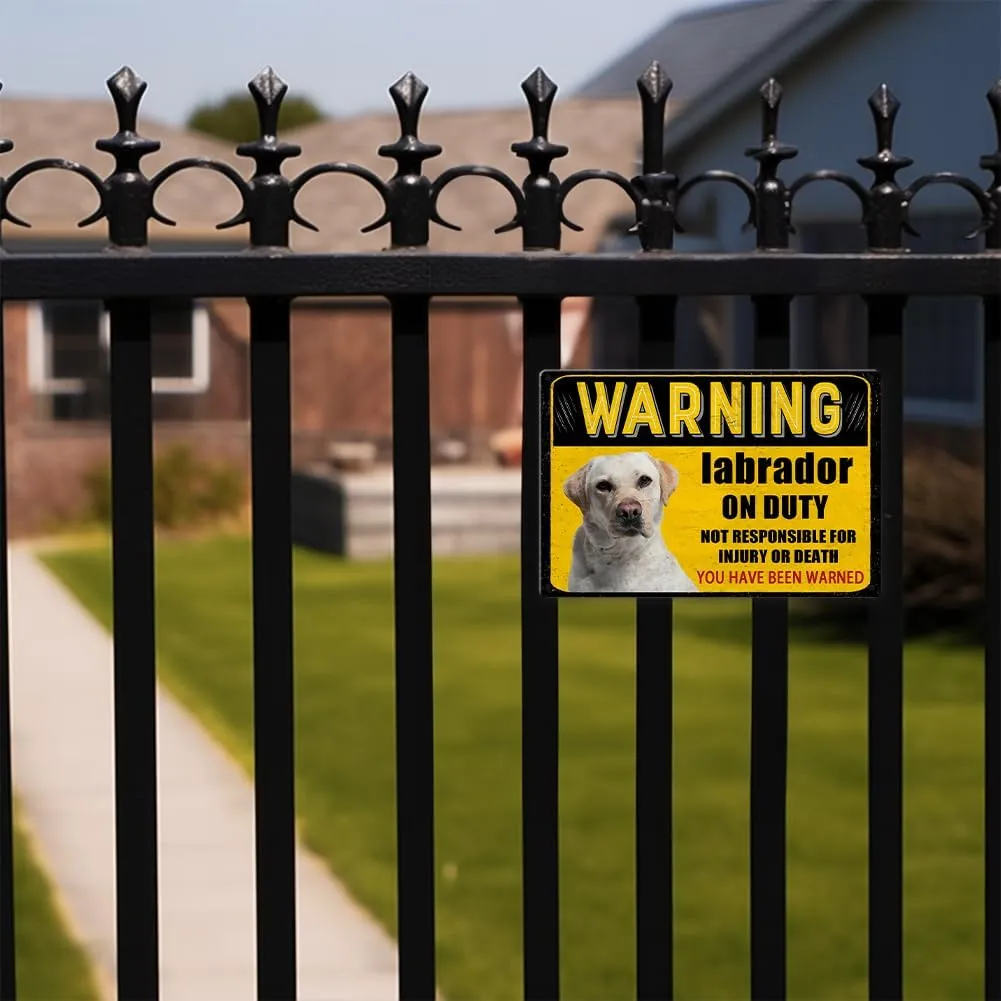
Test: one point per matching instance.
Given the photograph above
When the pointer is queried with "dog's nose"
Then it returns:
(629, 511)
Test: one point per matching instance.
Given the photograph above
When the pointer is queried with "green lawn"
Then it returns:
(49, 965)
(344, 645)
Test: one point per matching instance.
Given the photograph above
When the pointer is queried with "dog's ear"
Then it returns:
(575, 486)
(668, 479)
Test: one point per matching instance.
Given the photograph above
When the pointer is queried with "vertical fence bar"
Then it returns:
(414, 648)
(885, 222)
(8, 971)
(127, 202)
(992, 609)
(134, 650)
(655, 616)
(992, 651)
(769, 729)
(268, 207)
(886, 638)
(655, 734)
(8, 977)
(769, 616)
(540, 702)
(408, 201)
(539, 682)
(274, 722)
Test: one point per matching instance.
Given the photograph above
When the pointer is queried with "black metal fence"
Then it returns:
(128, 276)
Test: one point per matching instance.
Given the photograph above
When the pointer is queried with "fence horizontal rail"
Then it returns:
(103, 276)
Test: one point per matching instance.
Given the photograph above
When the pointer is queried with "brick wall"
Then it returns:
(340, 389)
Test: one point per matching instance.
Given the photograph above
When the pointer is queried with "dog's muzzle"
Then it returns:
(629, 517)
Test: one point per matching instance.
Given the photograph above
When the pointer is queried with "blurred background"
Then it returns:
(939, 57)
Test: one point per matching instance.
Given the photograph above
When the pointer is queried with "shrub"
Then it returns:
(97, 486)
(944, 564)
(944, 559)
(187, 490)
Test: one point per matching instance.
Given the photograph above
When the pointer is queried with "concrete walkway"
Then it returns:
(61, 662)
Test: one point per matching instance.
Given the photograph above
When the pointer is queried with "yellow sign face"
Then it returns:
(733, 483)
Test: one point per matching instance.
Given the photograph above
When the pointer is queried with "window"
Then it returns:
(943, 336)
(68, 351)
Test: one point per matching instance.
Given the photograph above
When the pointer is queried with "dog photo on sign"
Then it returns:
(619, 546)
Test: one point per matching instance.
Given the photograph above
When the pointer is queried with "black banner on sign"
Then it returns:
(748, 483)
(815, 411)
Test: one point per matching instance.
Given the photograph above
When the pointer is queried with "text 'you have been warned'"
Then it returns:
(710, 483)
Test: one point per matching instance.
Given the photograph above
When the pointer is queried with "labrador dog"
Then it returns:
(619, 547)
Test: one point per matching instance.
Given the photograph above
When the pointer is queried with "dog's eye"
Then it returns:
(644, 481)
(603, 485)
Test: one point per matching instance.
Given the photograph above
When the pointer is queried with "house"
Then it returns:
(939, 57)
(56, 352)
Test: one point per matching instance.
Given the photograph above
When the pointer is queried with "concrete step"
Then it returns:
(446, 512)
(379, 545)
(472, 512)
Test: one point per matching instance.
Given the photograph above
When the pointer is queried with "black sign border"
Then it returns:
(546, 379)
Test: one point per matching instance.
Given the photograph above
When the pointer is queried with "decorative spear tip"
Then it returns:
(409, 91)
(994, 100)
(6, 145)
(655, 83)
(268, 87)
(126, 85)
(538, 88)
(883, 102)
(771, 93)
(127, 89)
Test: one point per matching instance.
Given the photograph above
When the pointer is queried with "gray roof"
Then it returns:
(717, 55)
(702, 47)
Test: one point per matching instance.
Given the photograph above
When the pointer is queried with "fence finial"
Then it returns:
(268, 90)
(267, 151)
(654, 86)
(267, 197)
(654, 193)
(773, 202)
(127, 89)
(409, 94)
(884, 106)
(540, 92)
(408, 191)
(656, 188)
(994, 100)
(541, 229)
(268, 200)
(127, 200)
(6, 145)
(992, 162)
(884, 163)
(886, 217)
(771, 99)
(409, 151)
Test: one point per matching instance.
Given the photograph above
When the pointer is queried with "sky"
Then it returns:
(344, 54)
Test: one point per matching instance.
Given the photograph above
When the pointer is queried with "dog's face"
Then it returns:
(624, 495)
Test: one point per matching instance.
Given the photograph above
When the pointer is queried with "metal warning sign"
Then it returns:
(734, 483)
